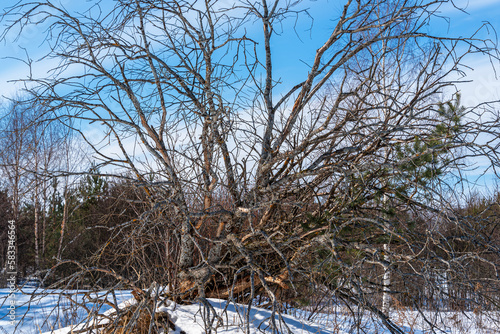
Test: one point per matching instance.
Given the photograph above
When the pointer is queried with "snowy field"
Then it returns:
(46, 310)
(56, 313)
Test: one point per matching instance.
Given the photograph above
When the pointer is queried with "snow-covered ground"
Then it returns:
(410, 321)
(56, 313)
(38, 311)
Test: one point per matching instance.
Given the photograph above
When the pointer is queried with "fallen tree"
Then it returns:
(260, 184)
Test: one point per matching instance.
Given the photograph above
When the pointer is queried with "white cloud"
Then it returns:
(481, 83)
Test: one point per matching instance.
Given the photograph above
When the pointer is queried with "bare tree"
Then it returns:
(16, 154)
(31, 151)
(272, 185)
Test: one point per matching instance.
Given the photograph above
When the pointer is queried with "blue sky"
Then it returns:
(486, 85)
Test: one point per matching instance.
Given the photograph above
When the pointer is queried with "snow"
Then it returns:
(231, 319)
(39, 310)
(54, 312)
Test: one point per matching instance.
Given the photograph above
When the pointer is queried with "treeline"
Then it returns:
(62, 206)
(452, 271)
(73, 224)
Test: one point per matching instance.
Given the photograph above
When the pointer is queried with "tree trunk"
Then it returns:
(386, 282)
(63, 223)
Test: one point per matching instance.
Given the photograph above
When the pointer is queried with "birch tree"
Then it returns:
(30, 150)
